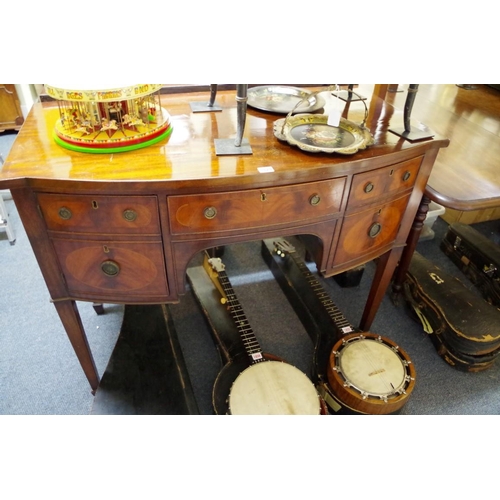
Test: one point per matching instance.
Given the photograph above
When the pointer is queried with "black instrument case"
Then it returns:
(477, 257)
(464, 328)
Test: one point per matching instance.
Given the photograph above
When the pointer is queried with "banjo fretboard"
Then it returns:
(285, 248)
(250, 342)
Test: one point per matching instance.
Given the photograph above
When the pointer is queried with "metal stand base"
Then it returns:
(226, 147)
(343, 95)
(414, 134)
(203, 107)
(394, 89)
(467, 86)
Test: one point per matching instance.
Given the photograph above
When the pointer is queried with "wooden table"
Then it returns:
(466, 177)
(122, 228)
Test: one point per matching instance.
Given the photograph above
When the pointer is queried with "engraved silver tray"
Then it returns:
(283, 99)
(312, 133)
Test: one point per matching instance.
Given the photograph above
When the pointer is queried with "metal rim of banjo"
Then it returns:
(357, 396)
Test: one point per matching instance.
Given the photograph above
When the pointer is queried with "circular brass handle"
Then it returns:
(406, 176)
(369, 187)
(374, 230)
(110, 268)
(65, 213)
(210, 212)
(314, 200)
(130, 215)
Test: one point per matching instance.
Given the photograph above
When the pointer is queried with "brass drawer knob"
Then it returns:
(110, 268)
(130, 215)
(406, 176)
(65, 213)
(374, 230)
(210, 212)
(369, 187)
(314, 200)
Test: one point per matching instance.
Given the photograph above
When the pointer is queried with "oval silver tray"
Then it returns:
(282, 99)
(312, 133)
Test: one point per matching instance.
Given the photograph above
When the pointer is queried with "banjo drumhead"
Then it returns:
(273, 388)
(372, 367)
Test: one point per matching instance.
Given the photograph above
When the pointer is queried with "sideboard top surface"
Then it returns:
(188, 155)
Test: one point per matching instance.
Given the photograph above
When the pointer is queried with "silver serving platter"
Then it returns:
(312, 133)
(283, 99)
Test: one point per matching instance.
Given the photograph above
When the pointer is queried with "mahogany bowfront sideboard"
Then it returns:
(122, 228)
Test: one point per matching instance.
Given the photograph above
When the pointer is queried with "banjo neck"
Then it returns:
(217, 273)
(284, 248)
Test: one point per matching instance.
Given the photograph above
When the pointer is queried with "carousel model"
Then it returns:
(109, 120)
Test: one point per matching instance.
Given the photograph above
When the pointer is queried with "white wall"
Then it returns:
(28, 94)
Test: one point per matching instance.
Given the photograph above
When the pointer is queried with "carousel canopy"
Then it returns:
(101, 93)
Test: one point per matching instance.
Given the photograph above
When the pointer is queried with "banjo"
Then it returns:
(365, 373)
(259, 384)
(316, 302)
(370, 374)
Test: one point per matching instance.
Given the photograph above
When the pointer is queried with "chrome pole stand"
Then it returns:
(239, 145)
(408, 132)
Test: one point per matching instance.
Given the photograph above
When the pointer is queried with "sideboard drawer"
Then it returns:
(369, 230)
(370, 186)
(102, 268)
(100, 214)
(255, 207)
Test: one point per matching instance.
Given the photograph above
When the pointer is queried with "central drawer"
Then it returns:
(255, 207)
